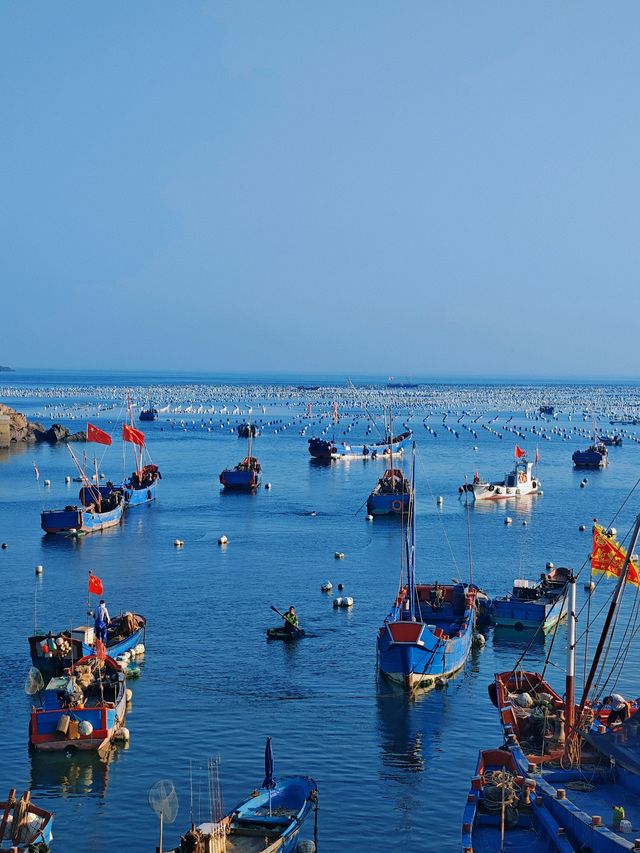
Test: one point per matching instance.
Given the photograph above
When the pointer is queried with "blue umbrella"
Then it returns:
(269, 780)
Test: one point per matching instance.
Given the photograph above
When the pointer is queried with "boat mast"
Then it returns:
(411, 541)
(607, 624)
(570, 699)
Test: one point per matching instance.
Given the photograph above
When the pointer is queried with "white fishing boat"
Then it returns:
(517, 483)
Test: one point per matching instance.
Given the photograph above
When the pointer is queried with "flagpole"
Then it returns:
(607, 624)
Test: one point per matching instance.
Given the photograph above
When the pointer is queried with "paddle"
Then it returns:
(282, 616)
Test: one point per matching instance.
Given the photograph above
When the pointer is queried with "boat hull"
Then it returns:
(43, 732)
(138, 497)
(378, 504)
(233, 479)
(529, 615)
(79, 519)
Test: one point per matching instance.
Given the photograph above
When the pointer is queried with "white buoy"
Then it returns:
(590, 586)
(223, 540)
(550, 565)
(122, 735)
(479, 639)
(129, 694)
(439, 500)
(339, 555)
(369, 517)
(306, 847)
(582, 528)
(611, 531)
(39, 570)
(337, 602)
(525, 522)
(347, 602)
(47, 483)
(267, 486)
(327, 586)
(67, 480)
(508, 520)
(178, 543)
(4, 546)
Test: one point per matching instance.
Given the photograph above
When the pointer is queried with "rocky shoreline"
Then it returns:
(31, 432)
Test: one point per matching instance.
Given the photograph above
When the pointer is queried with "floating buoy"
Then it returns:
(313, 512)
(339, 555)
(223, 540)
(611, 531)
(341, 586)
(343, 602)
(590, 586)
(479, 639)
(178, 543)
(267, 486)
(85, 728)
(67, 480)
(508, 520)
(327, 586)
(47, 483)
(582, 484)
(129, 694)
(582, 528)
(133, 671)
(4, 546)
(122, 735)
(525, 522)
(439, 500)
(39, 570)
(369, 517)
(306, 847)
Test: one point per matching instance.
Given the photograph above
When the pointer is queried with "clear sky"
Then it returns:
(406, 188)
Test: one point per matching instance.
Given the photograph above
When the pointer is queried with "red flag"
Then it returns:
(135, 436)
(101, 650)
(97, 435)
(519, 452)
(95, 585)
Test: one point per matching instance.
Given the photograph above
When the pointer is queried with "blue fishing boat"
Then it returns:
(24, 826)
(611, 440)
(427, 636)
(141, 486)
(106, 512)
(534, 605)
(274, 817)
(52, 653)
(82, 709)
(503, 811)
(596, 456)
(246, 475)
(148, 414)
(322, 449)
(390, 494)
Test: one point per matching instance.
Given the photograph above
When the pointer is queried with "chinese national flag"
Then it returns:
(101, 650)
(608, 557)
(95, 585)
(135, 436)
(97, 435)
(519, 452)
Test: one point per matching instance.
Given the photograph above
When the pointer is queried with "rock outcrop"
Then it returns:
(21, 429)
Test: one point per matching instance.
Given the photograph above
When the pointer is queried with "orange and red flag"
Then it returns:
(95, 585)
(608, 557)
(97, 435)
(519, 452)
(135, 436)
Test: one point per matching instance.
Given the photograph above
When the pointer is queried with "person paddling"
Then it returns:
(291, 620)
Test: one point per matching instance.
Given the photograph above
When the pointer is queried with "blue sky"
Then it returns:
(406, 188)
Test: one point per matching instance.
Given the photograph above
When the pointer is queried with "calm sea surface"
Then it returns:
(391, 771)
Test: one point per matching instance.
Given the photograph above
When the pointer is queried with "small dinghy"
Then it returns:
(23, 825)
(281, 633)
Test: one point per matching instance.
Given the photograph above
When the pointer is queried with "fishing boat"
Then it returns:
(611, 440)
(248, 430)
(106, 512)
(536, 605)
(596, 456)
(427, 636)
(24, 826)
(517, 483)
(82, 709)
(323, 450)
(246, 475)
(148, 414)
(390, 494)
(140, 487)
(267, 821)
(503, 811)
(52, 653)
(281, 633)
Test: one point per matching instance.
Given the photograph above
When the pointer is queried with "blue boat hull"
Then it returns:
(79, 519)
(589, 459)
(388, 504)
(138, 497)
(233, 479)
(528, 615)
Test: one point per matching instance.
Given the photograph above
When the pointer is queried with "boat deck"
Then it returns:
(601, 800)
(486, 839)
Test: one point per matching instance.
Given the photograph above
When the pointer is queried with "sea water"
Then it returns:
(392, 770)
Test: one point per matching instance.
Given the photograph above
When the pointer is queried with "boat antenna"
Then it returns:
(615, 600)
(469, 539)
(411, 540)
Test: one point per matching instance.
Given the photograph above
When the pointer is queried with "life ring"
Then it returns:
(396, 506)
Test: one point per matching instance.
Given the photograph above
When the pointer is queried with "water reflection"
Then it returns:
(77, 774)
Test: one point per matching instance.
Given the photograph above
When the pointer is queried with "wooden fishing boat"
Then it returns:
(107, 512)
(390, 494)
(24, 825)
(266, 822)
(427, 636)
(82, 709)
(534, 605)
(503, 811)
(52, 653)
(246, 475)
(140, 488)
(596, 456)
